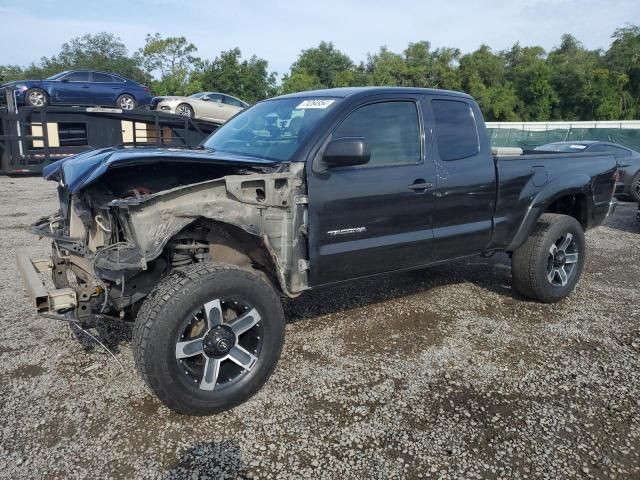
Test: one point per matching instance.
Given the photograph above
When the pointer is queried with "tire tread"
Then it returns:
(525, 260)
(169, 291)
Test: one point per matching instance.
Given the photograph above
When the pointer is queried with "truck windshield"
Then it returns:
(273, 129)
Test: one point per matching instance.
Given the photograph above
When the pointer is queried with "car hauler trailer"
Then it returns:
(31, 138)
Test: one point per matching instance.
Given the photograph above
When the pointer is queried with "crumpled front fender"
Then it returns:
(264, 205)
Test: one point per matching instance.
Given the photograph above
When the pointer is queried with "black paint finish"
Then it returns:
(368, 220)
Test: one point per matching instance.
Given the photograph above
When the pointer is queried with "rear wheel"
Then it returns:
(208, 337)
(184, 110)
(36, 97)
(126, 102)
(548, 265)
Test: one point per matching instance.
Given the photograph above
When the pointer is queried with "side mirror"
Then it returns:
(204, 98)
(65, 80)
(347, 151)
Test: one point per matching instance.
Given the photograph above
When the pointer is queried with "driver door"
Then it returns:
(376, 217)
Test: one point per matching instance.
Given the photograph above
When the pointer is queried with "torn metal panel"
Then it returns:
(263, 205)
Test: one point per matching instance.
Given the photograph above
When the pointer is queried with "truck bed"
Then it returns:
(522, 180)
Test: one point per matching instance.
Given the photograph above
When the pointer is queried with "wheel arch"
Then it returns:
(568, 196)
(232, 244)
(44, 89)
(261, 210)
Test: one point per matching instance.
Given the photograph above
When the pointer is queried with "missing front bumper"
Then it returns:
(45, 301)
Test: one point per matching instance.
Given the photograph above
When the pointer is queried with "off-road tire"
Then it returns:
(157, 326)
(529, 262)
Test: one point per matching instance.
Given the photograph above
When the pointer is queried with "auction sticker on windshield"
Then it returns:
(317, 103)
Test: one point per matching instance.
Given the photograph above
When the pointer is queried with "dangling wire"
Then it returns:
(74, 324)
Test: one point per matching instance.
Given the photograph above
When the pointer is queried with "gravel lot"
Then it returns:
(444, 373)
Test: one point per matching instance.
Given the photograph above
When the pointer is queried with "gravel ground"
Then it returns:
(444, 373)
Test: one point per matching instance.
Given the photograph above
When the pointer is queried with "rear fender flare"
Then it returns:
(558, 188)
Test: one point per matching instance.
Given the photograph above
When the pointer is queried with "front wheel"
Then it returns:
(184, 110)
(208, 337)
(548, 265)
(36, 97)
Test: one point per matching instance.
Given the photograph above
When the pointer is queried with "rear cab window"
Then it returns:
(455, 129)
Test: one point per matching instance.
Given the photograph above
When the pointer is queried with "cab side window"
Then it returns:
(392, 130)
(456, 130)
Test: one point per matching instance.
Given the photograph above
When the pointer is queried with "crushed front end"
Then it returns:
(90, 262)
(114, 240)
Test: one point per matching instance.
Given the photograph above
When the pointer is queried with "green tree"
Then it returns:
(299, 80)
(11, 72)
(328, 65)
(431, 69)
(173, 59)
(483, 74)
(586, 88)
(385, 68)
(246, 79)
(623, 60)
(521, 83)
(530, 75)
(102, 51)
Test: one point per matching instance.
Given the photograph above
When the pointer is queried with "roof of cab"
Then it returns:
(365, 91)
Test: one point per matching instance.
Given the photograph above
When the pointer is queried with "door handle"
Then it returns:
(420, 186)
(85, 86)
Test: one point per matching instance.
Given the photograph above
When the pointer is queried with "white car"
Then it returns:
(212, 106)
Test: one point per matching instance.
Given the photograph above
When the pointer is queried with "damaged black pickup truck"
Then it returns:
(297, 192)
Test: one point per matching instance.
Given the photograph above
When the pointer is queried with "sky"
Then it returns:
(278, 30)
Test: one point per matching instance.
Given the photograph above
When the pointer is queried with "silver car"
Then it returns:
(212, 106)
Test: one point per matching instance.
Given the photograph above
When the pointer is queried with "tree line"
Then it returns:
(522, 83)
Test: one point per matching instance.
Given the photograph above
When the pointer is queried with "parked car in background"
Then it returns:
(213, 106)
(628, 162)
(79, 87)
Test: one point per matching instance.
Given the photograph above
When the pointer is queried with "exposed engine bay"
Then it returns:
(114, 240)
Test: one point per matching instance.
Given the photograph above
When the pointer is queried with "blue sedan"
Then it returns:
(80, 87)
